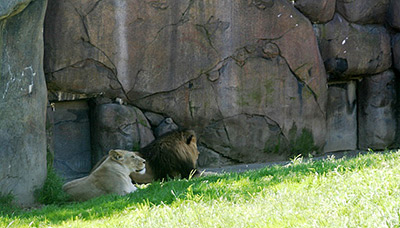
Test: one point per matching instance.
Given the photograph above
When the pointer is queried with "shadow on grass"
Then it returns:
(230, 186)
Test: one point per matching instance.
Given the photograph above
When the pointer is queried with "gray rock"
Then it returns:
(352, 50)
(317, 11)
(363, 11)
(118, 127)
(393, 14)
(246, 138)
(22, 99)
(167, 125)
(396, 51)
(209, 158)
(9, 8)
(49, 133)
(154, 118)
(73, 63)
(341, 117)
(376, 117)
(71, 139)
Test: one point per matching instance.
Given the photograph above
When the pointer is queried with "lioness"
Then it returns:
(111, 176)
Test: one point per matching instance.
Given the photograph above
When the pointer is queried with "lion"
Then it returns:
(111, 176)
(173, 155)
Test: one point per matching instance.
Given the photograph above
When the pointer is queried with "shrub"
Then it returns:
(6, 204)
(52, 192)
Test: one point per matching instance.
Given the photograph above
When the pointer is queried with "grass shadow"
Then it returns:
(229, 186)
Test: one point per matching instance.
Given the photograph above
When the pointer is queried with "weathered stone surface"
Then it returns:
(376, 116)
(72, 62)
(341, 117)
(22, 99)
(363, 11)
(317, 11)
(209, 158)
(350, 49)
(71, 138)
(165, 126)
(9, 8)
(49, 133)
(393, 14)
(206, 64)
(154, 118)
(396, 51)
(118, 127)
(246, 138)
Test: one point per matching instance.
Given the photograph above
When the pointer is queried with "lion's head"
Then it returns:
(186, 145)
(173, 155)
(130, 160)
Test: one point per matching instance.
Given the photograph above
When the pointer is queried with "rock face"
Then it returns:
(394, 14)
(396, 51)
(363, 11)
(229, 69)
(317, 11)
(342, 117)
(165, 126)
(118, 126)
(341, 42)
(71, 139)
(377, 117)
(22, 99)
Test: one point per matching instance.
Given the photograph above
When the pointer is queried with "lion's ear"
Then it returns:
(137, 153)
(116, 155)
(191, 139)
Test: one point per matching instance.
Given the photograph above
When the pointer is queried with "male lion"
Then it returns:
(111, 176)
(172, 155)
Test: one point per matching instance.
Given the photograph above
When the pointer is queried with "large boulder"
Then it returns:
(22, 99)
(71, 139)
(9, 8)
(396, 51)
(341, 117)
(241, 73)
(317, 11)
(363, 11)
(118, 126)
(73, 62)
(352, 50)
(377, 118)
(393, 15)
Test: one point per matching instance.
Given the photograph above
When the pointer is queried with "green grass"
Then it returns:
(52, 193)
(357, 192)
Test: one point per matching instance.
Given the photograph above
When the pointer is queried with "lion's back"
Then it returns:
(81, 189)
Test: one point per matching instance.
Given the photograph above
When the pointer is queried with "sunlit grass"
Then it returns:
(358, 192)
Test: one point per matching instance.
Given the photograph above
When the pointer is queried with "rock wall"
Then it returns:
(23, 99)
(258, 80)
(71, 139)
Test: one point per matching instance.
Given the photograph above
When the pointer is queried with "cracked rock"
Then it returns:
(340, 43)
(376, 115)
(22, 100)
(363, 11)
(396, 51)
(199, 62)
(167, 125)
(317, 11)
(118, 127)
(393, 15)
(341, 117)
